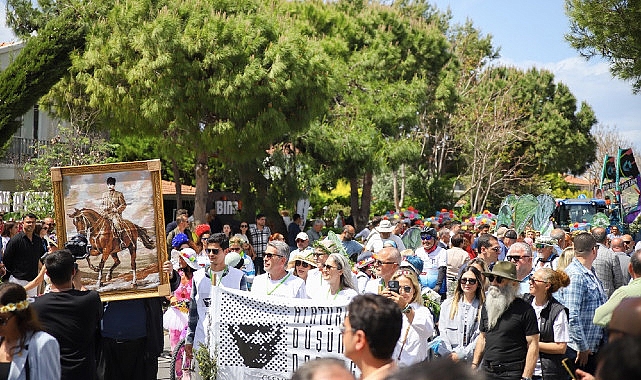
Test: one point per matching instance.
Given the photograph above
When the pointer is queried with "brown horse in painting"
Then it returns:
(105, 241)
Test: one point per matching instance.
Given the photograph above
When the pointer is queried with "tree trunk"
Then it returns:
(361, 214)
(202, 188)
(178, 183)
(397, 206)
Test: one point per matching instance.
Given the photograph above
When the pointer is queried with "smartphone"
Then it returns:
(570, 367)
(393, 286)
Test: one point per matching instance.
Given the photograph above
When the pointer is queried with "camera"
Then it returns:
(394, 286)
(79, 247)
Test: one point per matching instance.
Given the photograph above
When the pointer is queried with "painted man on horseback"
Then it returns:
(113, 204)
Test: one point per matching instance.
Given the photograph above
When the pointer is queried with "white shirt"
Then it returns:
(416, 345)
(560, 327)
(375, 243)
(288, 286)
(431, 262)
(325, 295)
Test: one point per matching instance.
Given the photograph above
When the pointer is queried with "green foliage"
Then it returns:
(610, 29)
(207, 368)
(41, 63)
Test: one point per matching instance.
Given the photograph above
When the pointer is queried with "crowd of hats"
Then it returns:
(414, 217)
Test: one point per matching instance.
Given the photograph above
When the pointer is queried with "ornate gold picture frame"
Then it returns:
(119, 209)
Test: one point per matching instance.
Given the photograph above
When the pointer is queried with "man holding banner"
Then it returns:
(217, 274)
(278, 281)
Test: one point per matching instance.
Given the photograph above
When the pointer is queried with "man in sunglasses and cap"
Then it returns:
(434, 262)
(546, 254)
(509, 339)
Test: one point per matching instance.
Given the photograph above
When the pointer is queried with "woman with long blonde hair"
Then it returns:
(418, 322)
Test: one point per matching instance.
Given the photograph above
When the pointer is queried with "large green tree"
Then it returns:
(510, 126)
(610, 29)
(213, 77)
(389, 62)
(44, 59)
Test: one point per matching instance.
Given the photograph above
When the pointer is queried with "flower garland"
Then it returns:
(14, 306)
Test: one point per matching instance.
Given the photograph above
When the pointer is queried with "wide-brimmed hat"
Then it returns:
(189, 255)
(500, 233)
(547, 240)
(503, 269)
(385, 226)
(304, 258)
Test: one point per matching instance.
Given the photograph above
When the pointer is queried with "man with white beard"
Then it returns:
(509, 339)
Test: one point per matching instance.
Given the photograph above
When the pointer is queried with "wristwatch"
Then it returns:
(526, 378)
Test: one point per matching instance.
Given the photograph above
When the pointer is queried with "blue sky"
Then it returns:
(530, 33)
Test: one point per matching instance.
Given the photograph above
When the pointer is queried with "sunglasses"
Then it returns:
(627, 241)
(379, 262)
(471, 281)
(302, 263)
(204, 238)
(5, 320)
(427, 237)
(491, 278)
(495, 249)
(271, 255)
(317, 255)
(539, 245)
(236, 249)
(213, 251)
(533, 280)
(515, 258)
(244, 226)
(406, 289)
(328, 267)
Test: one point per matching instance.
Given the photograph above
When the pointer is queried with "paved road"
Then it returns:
(164, 361)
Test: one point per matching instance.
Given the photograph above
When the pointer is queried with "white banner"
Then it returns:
(264, 337)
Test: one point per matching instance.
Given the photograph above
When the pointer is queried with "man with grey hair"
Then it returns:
(521, 255)
(315, 233)
(618, 247)
(606, 265)
(277, 281)
(582, 297)
(560, 235)
(509, 339)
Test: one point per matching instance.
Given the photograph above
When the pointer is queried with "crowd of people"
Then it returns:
(511, 305)
(488, 301)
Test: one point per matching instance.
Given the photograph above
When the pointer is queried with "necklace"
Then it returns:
(212, 276)
(335, 295)
(269, 293)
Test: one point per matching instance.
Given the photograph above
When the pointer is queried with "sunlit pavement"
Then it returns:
(164, 361)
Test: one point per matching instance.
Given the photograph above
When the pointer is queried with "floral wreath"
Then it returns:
(14, 306)
(322, 247)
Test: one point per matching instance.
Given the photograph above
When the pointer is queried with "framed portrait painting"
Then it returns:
(118, 208)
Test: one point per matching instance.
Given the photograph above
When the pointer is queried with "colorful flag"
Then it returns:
(627, 165)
